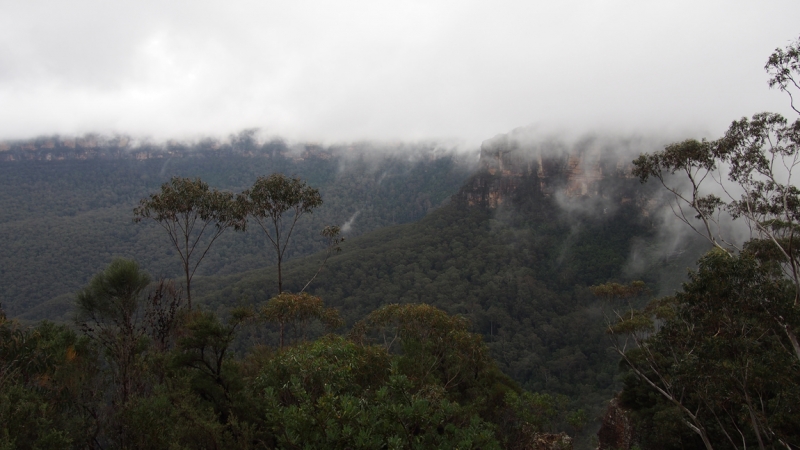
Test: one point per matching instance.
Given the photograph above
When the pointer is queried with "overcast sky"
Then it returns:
(335, 71)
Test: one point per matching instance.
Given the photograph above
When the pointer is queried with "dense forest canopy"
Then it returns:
(64, 220)
(518, 272)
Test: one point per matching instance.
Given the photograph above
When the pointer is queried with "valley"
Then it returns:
(511, 242)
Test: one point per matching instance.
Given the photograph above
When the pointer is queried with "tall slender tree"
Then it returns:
(752, 170)
(724, 352)
(276, 203)
(194, 216)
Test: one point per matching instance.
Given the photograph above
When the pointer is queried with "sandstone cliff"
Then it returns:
(93, 146)
(513, 166)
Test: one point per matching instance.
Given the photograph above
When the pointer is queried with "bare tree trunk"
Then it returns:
(188, 289)
(280, 276)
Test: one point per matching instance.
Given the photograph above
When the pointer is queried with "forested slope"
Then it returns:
(520, 273)
(512, 248)
(63, 220)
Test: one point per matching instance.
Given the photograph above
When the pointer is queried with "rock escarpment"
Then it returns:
(98, 147)
(514, 167)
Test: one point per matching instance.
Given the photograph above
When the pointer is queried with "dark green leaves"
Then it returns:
(296, 311)
(276, 194)
(113, 295)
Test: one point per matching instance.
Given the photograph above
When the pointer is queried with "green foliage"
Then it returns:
(337, 394)
(186, 209)
(109, 313)
(616, 291)
(690, 157)
(43, 374)
(276, 203)
(532, 412)
(296, 311)
(205, 351)
(435, 348)
(722, 356)
(273, 196)
(519, 278)
(175, 417)
(328, 393)
(64, 220)
(437, 387)
(112, 297)
(783, 67)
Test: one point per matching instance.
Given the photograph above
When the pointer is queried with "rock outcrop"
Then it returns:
(511, 163)
(617, 431)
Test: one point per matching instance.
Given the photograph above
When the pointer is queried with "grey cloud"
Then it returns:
(349, 71)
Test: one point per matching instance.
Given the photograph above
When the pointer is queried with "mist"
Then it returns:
(313, 71)
(678, 238)
(589, 181)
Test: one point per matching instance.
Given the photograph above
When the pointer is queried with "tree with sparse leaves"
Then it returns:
(333, 238)
(276, 203)
(194, 216)
(753, 168)
(722, 355)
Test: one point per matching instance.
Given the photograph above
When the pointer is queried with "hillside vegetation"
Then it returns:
(64, 220)
(520, 274)
(517, 269)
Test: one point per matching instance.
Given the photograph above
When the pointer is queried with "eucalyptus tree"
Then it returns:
(276, 203)
(714, 357)
(434, 345)
(333, 238)
(724, 352)
(194, 216)
(296, 311)
(750, 173)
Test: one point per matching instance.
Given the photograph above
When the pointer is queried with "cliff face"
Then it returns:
(511, 168)
(94, 146)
